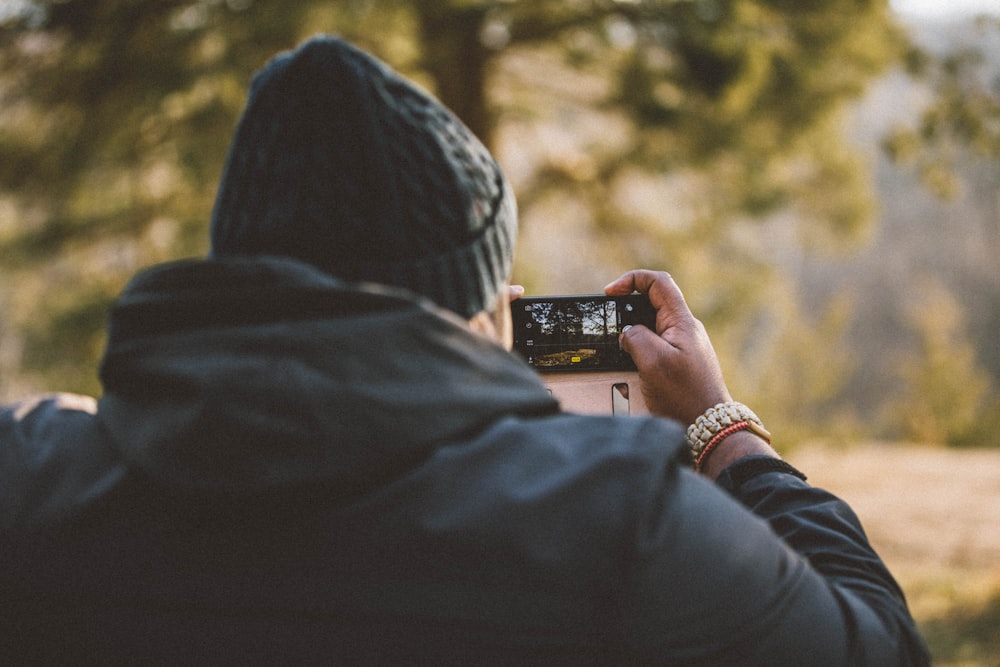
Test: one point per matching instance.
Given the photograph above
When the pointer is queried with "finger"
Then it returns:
(664, 294)
(515, 292)
(622, 285)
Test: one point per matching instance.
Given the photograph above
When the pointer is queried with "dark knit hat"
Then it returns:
(342, 163)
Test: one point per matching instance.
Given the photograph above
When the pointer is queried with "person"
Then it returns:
(312, 446)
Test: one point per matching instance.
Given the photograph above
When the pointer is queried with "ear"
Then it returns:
(496, 324)
(482, 322)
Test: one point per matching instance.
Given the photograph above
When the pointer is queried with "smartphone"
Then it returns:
(577, 333)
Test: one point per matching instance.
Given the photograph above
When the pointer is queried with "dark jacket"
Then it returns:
(287, 469)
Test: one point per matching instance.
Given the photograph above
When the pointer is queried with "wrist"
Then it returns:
(733, 448)
(724, 433)
(720, 420)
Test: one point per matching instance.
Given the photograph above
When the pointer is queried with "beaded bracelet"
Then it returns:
(718, 417)
(717, 438)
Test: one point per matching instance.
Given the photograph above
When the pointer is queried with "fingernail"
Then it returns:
(621, 336)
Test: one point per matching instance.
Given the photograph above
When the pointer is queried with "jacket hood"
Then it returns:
(246, 374)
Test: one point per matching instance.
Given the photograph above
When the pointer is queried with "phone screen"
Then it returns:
(577, 333)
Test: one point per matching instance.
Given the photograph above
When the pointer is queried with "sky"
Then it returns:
(946, 8)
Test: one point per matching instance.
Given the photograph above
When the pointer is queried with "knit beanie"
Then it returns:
(340, 162)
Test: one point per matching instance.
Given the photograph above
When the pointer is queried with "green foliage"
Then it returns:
(946, 395)
(120, 116)
(963, 115)
(797, 367)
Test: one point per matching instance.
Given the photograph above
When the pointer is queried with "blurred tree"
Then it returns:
(946, 396)
(117, 114)
(116, 119)
(962, 117)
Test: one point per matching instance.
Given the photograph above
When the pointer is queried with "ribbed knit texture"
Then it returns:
(341, 162)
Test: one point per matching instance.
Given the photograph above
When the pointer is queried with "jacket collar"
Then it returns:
(242, 374)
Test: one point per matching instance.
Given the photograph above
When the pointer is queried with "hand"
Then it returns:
(679, 371)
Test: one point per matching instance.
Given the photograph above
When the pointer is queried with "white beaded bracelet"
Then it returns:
(718, 417)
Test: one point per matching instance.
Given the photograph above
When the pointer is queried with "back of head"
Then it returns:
(340, 162)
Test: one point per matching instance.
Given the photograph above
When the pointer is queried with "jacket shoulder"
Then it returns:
(54, 457)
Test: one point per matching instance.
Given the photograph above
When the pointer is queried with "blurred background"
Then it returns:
(821, 177)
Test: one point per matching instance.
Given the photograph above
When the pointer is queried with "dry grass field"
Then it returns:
(934, 516)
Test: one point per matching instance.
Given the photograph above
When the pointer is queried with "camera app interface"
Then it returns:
(570, 334)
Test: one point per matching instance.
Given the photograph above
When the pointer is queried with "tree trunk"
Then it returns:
(457, 60)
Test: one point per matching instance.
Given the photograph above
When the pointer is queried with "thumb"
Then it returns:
(642, 344)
